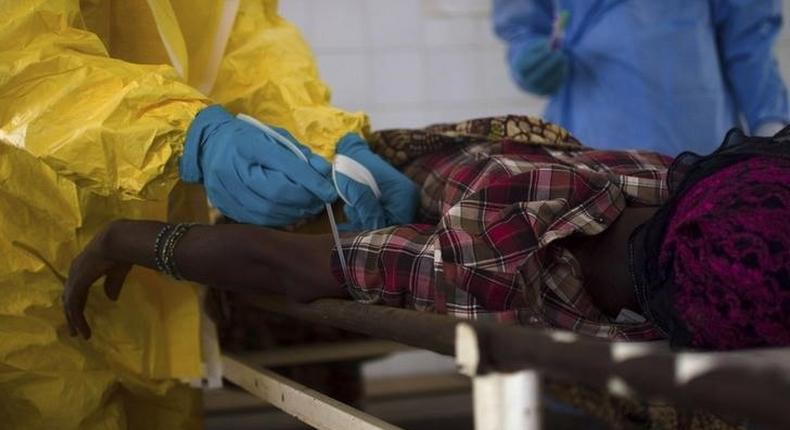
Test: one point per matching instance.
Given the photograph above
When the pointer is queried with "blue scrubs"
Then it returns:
(664, 75)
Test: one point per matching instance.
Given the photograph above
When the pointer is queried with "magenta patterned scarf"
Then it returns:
(712, 268)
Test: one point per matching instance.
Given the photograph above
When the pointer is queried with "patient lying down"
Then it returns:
(519, 222)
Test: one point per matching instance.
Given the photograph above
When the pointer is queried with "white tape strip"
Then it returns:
(270, 132)
(336, 236)
(356, 171)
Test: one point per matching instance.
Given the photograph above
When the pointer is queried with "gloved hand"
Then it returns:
(251, 177)
(399, 195)
(537, 68)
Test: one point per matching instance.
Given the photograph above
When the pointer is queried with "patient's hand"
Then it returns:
(91, 265)
(237, 256)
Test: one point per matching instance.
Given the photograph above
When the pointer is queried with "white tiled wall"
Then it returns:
(409, 63)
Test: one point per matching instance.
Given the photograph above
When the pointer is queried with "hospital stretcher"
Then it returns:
(505, 364)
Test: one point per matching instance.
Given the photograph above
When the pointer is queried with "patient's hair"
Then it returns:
(728, 246)
(713, 267)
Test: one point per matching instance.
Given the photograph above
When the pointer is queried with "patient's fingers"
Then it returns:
(72, 330)
(81, 276)
(114, 280)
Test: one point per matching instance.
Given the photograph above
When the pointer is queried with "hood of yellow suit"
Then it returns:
(209, 42)
(191, 36)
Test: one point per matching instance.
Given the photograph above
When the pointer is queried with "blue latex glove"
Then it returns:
(399, 195)
(537, 68)
(251, 177)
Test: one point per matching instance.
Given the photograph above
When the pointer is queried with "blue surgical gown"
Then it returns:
(664, 75)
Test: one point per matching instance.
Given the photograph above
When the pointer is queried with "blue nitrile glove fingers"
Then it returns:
(249, 175)
(273, 155)
(400, 195)
(537, 68)
(262, 211)
(365, 211)
(317, 162)
(273, 185)
(262, 201)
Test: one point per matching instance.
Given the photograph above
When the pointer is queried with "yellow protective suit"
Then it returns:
(95, 100)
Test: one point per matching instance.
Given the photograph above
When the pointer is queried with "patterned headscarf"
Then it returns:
(728, 246)
(712, 268)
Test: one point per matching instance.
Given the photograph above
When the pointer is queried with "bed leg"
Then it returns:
(502, 401)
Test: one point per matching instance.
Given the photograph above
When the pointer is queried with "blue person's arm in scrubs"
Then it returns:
(746, 31)
(526, 27)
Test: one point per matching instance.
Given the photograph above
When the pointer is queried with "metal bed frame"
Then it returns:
(505, 362)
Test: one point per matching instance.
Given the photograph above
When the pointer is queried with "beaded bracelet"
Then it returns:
(169, 249)
(158, 246)
(165, 247)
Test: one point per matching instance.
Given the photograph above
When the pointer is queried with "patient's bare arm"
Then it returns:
(238, 256)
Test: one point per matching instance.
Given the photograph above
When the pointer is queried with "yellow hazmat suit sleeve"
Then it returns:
(85, 139)
(269, 72)
(105, 124)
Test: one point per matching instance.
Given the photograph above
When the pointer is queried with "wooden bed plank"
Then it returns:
(308, 405)
(420, 330)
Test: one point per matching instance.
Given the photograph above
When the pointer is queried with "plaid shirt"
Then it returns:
(496, 195)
